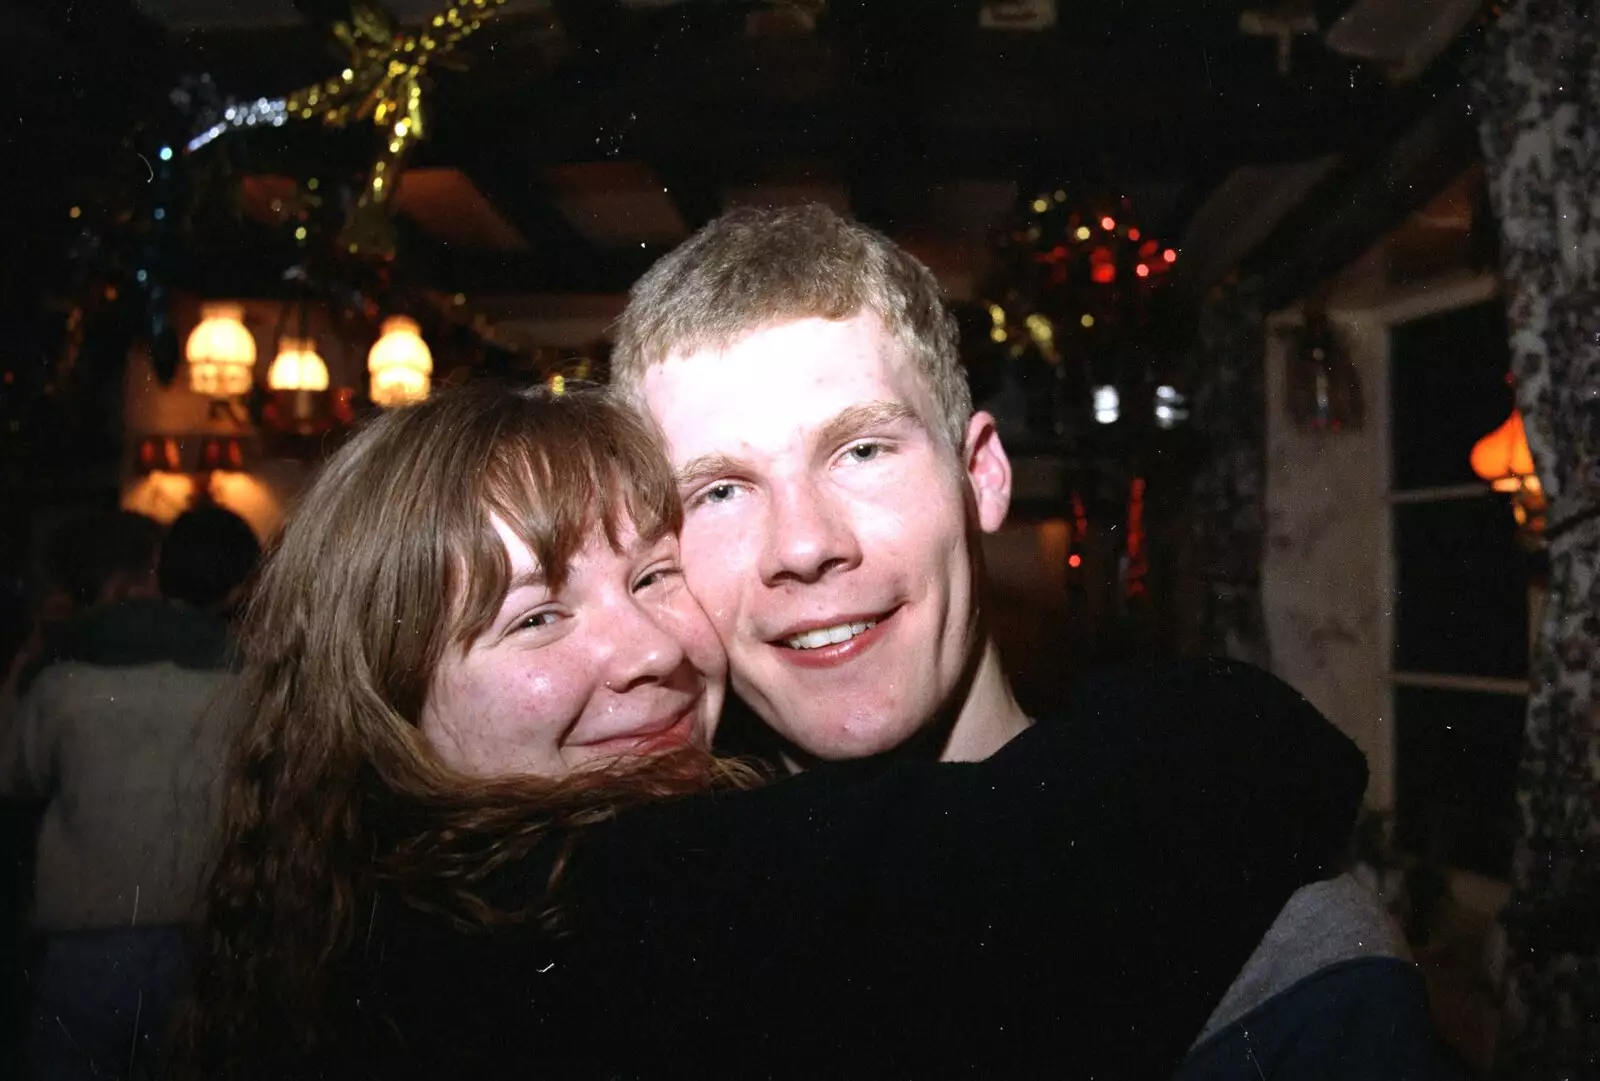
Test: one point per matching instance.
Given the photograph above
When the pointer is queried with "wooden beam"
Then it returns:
(514, 187)
(1347, 215)
(693, 185)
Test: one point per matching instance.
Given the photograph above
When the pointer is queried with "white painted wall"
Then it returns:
(1327, 571)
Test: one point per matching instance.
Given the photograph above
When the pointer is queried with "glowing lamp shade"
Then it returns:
(221, 352)
(400, 364)
(298, 367)
(1503, 459)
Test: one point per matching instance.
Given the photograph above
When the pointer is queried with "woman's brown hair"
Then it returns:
(333, 794)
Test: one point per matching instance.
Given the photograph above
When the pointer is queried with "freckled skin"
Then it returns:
(817, 492)
(621, 660)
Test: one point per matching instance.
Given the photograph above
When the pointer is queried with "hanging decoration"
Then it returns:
(384, 82)
(1080, 536)
(1324, 390)
(1078, 280)
(1503, 459)
(1136, 560)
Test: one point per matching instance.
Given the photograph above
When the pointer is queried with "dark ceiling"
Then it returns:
(599, 132)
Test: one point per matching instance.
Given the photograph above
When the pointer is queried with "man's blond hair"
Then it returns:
(753, 268)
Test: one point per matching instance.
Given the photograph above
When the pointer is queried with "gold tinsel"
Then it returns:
(383, 83)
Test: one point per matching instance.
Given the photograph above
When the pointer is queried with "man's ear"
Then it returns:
(988, 471)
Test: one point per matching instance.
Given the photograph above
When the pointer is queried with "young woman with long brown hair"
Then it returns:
(473, 828)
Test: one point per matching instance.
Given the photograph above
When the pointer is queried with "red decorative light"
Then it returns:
(1103, 273)
(1142, 270)
(1170, 256)
(1138, 563)
(221, 452)
(156, 452)
(1108, 223)
(1133, 234)
(1074, 560)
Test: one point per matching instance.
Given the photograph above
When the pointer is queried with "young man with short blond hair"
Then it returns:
(836, 481)
(804, 374)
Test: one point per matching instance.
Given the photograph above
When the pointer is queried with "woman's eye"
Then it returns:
(537, 619)
(655, 577)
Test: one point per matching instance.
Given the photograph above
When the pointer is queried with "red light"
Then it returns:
(1142, 270)
(1133, 234)
(1170, 256)
(1108, 223)
(1074, 560)
(1104, 273)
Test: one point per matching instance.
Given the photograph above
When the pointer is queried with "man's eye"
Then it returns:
(537, 619)
(865, 452)
(718, 493)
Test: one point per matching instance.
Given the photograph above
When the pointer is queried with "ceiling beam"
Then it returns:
(1430, 138)
(693, 186)
(516, 190)
(1335, 225)
(478, 273)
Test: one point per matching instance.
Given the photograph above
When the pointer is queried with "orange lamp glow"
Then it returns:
(401, 364)
(221, 352)
(1503, 459)
(298, 367)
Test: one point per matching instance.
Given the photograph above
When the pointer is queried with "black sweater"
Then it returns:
(1074, 906)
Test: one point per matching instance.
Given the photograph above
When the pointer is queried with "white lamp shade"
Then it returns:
(221, 352)
(298, 367)
(400, 364)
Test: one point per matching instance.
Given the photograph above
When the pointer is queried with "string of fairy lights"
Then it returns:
(1077, 286)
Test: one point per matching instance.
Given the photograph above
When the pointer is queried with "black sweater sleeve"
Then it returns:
(1075, 905)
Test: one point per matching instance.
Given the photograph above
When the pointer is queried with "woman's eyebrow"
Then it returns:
(532, 578)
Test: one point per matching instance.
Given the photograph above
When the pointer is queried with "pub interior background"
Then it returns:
(1240, 281)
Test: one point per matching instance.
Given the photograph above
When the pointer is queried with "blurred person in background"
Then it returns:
(90, 560)
(119, 737)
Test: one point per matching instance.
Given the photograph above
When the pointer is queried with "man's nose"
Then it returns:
(808, 535)
(643, 649)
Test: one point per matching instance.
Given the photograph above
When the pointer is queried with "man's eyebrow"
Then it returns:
(858, 420)
(698, 470)
(845, 425)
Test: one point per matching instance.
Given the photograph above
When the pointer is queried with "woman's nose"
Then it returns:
(642, 648)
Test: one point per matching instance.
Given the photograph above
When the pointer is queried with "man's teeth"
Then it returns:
(828, 636)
